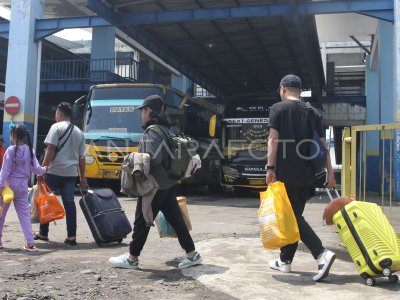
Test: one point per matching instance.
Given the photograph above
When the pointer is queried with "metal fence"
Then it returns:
(367, 165)
(94, 70)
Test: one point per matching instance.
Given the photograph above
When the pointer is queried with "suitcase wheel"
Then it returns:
(393, 278)
(386, 272)
(370, 281)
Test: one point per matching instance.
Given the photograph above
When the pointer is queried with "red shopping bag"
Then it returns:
(50, 209)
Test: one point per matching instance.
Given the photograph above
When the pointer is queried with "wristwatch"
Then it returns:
(269, 167)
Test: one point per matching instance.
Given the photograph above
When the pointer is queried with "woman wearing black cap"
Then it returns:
(154, 143)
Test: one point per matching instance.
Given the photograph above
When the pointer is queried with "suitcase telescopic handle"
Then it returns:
(328, 191)
(83, 189)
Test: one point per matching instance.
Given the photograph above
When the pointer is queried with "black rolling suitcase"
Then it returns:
(105, 216)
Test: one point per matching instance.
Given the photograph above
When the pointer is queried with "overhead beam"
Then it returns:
(46, 27)
(221, 68)
(379, 9)
(385, 15)
(382, 9)
(360, 44)
(154, 46)
(244, 67)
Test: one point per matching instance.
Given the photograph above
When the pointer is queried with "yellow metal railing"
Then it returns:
(354, 143)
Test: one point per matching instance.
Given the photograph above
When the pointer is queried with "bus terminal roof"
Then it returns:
(229, 47)
(233, 55)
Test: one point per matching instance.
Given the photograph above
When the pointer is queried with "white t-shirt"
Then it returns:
(66, 161)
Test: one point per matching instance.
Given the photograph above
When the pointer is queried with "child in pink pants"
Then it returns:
(19, 162)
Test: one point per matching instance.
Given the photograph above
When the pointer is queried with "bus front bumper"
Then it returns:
(100, 172)
(256, 182)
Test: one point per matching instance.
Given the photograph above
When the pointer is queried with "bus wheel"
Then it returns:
(115, 186)
(240, 191)
(215, 188)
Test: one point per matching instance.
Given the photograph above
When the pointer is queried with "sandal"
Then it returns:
(31, 248)
(70, 242)
(37, 236)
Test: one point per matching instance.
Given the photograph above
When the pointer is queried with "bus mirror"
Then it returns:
(212, 126)
(78, 108)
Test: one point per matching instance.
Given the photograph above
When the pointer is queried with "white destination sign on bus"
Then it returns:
(246, 120)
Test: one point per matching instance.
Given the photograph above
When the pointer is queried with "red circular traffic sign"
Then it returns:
(12, 105)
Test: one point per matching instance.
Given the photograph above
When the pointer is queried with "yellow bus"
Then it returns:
(113, 127)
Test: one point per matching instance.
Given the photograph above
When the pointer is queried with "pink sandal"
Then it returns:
(31, 248)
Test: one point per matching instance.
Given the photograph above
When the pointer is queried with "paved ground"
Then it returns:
(226, 233)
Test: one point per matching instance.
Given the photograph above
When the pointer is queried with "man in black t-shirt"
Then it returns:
(287, 149)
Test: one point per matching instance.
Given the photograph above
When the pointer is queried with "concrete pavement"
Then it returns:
(238, 266)
(226, 233)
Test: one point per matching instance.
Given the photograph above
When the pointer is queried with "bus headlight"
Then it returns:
(230, 171)
(89, 159)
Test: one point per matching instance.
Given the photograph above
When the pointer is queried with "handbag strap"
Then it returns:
(166, 133)
(69, 130)
(310, 115)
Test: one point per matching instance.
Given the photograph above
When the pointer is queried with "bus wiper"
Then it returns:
(255, 148)
(104, 137)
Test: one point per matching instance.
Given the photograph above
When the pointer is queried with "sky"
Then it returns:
(5, 13)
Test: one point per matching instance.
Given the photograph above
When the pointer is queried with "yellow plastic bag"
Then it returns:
(8, 194)
(278, 225)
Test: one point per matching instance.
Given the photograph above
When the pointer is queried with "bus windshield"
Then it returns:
(246, 133)
(116, 118)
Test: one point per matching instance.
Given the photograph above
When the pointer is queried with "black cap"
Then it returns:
(290, 81)
(153, 102)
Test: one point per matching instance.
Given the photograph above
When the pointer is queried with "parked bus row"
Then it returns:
(232, 144)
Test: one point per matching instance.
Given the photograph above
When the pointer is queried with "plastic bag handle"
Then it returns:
(44, 189)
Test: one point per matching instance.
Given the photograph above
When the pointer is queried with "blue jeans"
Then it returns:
(66, 185)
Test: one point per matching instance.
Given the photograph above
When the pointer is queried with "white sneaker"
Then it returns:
(324, 264)
(123, 261)
(189, 261)
(279, 265)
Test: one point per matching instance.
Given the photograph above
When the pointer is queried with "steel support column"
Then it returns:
(103, 47)
(372, 87)
(396, 108)
(386, 103)
(22, 63)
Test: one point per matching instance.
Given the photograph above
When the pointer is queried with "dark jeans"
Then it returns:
(164, 200)
(298, 198)
(66, 185)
